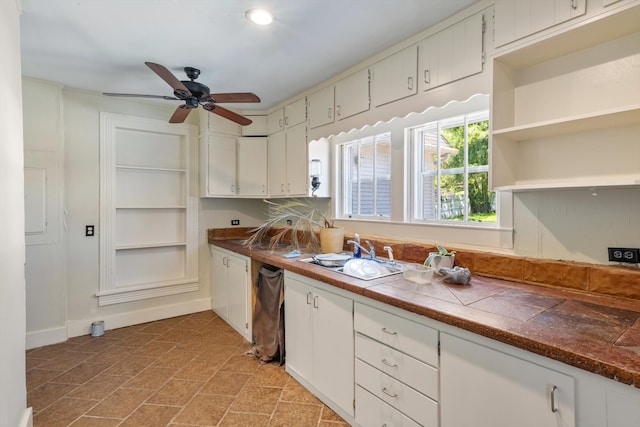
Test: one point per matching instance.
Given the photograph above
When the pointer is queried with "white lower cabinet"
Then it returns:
(396, 370)
(483, 387)
(319, 341)
(231, 289)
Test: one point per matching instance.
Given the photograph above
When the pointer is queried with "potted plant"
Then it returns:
(442, 258)
(299, 223)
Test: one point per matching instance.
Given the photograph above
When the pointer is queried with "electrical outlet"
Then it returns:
(89, 230)
(624, 255)
(235, 222)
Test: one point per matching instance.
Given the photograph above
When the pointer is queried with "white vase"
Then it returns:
(332, 240)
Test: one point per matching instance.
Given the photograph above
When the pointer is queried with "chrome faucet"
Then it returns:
(371, 252)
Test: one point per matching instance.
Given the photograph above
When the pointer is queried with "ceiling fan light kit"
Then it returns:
(195, 93)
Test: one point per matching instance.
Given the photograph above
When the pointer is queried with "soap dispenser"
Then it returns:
(357, 253)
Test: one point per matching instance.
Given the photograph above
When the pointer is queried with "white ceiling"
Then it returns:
(101, 45)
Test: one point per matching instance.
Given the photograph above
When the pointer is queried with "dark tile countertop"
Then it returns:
(594, 332)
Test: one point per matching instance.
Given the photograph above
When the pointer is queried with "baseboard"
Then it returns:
(45, 337)
(27, 418)
(75, 328)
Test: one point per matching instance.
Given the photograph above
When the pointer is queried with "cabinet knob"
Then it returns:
(427, 76)
(410, 83)
(386, 331)
(389, 364)
(309, 297)
(329, 112)
(338, 110)
(574, 4)
(315, 302)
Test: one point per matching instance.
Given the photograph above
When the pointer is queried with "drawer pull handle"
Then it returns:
(552, 392)
(391, 365)
(389, 393)
(389, 332)
(309, 297)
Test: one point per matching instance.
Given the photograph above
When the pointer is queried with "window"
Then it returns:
(451, 161)
(366, 186)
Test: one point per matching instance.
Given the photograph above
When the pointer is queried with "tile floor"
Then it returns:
(184, 371)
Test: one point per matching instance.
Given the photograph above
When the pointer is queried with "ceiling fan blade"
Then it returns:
(180, 115)
(135, 95)
(235, 97)
(227, 114)
(166, 75)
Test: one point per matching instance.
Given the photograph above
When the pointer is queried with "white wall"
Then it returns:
(63, 275)
(13, 391)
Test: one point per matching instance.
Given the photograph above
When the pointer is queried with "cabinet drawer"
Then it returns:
(373, 412)
(410, 371)
(409, 337)
(402, 397)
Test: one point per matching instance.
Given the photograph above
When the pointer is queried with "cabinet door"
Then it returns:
(428, 53)
(238, 293)
(221, 165)
(320, 107)
(515, 19)
(333, 347)
(352, 94)
(219, 282)
(295, 113)
(298, 311)
(296, 161)
(275, 121)
(252, 166)
(277, 159)
(499, 390)
(467, 40)
(395, 76)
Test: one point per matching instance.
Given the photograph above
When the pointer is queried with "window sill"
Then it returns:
(461, 235)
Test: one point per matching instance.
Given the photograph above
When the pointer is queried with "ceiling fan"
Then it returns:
(195, 93)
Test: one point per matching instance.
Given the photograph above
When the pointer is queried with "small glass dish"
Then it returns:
(417, 273)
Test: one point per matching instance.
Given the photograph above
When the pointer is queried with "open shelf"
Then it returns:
(580, 123)
(566, 110)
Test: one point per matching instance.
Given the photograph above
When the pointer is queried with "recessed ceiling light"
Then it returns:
(259, 16)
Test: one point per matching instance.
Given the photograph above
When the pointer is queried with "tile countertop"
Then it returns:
(596, 333)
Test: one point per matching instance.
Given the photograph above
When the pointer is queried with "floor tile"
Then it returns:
(186, 371)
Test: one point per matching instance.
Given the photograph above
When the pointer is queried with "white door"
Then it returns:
(395, 76)
(296, 161)
(277, 159)
(333, 348)
(482, 387)
(221, 166)
(321, 109)
(298, 311)
(219, 282)
(238, 288)
(352, 94)
(252, 166)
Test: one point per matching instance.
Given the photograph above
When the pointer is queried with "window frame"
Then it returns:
(416, 153)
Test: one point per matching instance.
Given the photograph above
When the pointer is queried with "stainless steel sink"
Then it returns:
(363, 268)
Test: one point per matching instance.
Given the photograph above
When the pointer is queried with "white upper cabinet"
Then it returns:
(288, 160)
(451, 54)
(252, 166)
(291, 115)
(320, 107)
(352, 94)
(515, 19)
(395, 76)
(220, 172)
